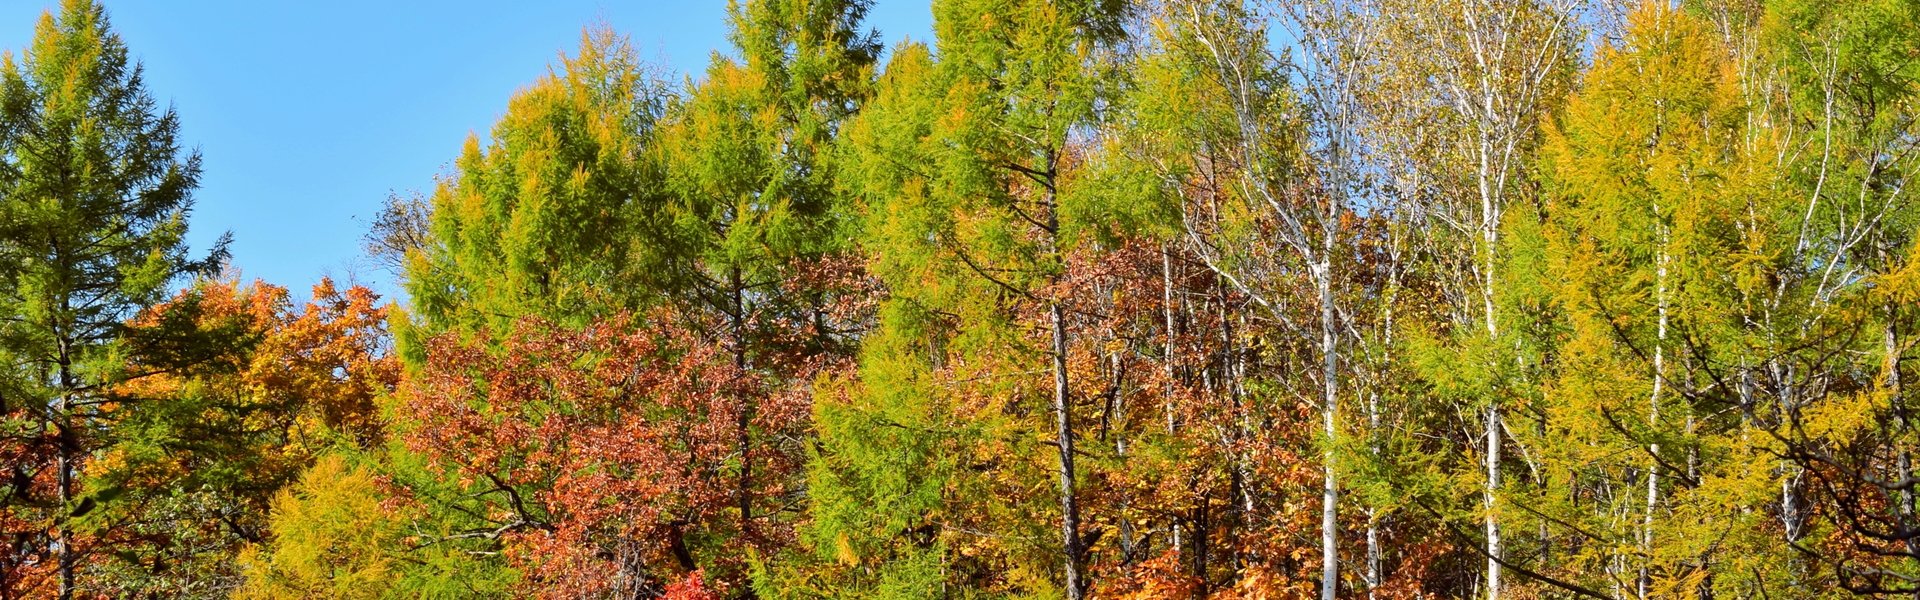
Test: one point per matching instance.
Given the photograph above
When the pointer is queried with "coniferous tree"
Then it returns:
(334, 538)
(963, 165)
(1662, 212)
(747, 153)
(1830, 383)
(95, 192)
(603, 203)
(549, 218)
(544, 217)
(885, 454)
(1452, 94)
(1172, 299)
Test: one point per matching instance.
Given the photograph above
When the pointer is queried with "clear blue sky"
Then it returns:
(308, 113)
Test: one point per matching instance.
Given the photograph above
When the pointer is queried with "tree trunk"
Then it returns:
(1171, 371)
(64, 465)
(744, 427)
(1490, 236)
(1653, 415)
(1494, 549)
(1166, 300)
(1903, 459)
(1063, 421)
(1330, 411)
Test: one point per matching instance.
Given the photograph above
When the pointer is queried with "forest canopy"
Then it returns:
(1224, 299)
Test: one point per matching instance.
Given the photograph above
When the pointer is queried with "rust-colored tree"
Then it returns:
(607, 455)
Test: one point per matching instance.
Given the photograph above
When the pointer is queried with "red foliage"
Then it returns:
(612, 454)
(694, 587)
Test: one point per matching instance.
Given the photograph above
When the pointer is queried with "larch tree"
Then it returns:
(1841, 84)
(1020, 81)
(228, 393)
(748, 159)
(1663, 215)
(550, 218)
(94, 195)
(334, 539)
(543, 216)
(964, 166)
(886, 453)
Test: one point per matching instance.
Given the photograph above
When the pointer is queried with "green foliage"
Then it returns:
(877, 476)
(94, 194)
(333, 539)
(1087, 292)
(964, 170)
(549, 214)
(1658, 225)
(340, 531)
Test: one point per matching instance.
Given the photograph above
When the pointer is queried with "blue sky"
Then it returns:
(309, 113)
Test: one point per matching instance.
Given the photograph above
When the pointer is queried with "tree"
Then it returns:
(1264, 174)
(605, 458)
(226, 394)
(547, 218)
(979, 234)
(555, 216)
(1091, 298)
(1450, 96)
(884, 460)
(335, 539)
(403, 226)
(1841, 87)
(756, 215)
(219, 396)
(1662, 218)
(717, 208)
(96, 193)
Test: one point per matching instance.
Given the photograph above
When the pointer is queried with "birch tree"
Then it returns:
(1264, 187)
(1455, 91)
